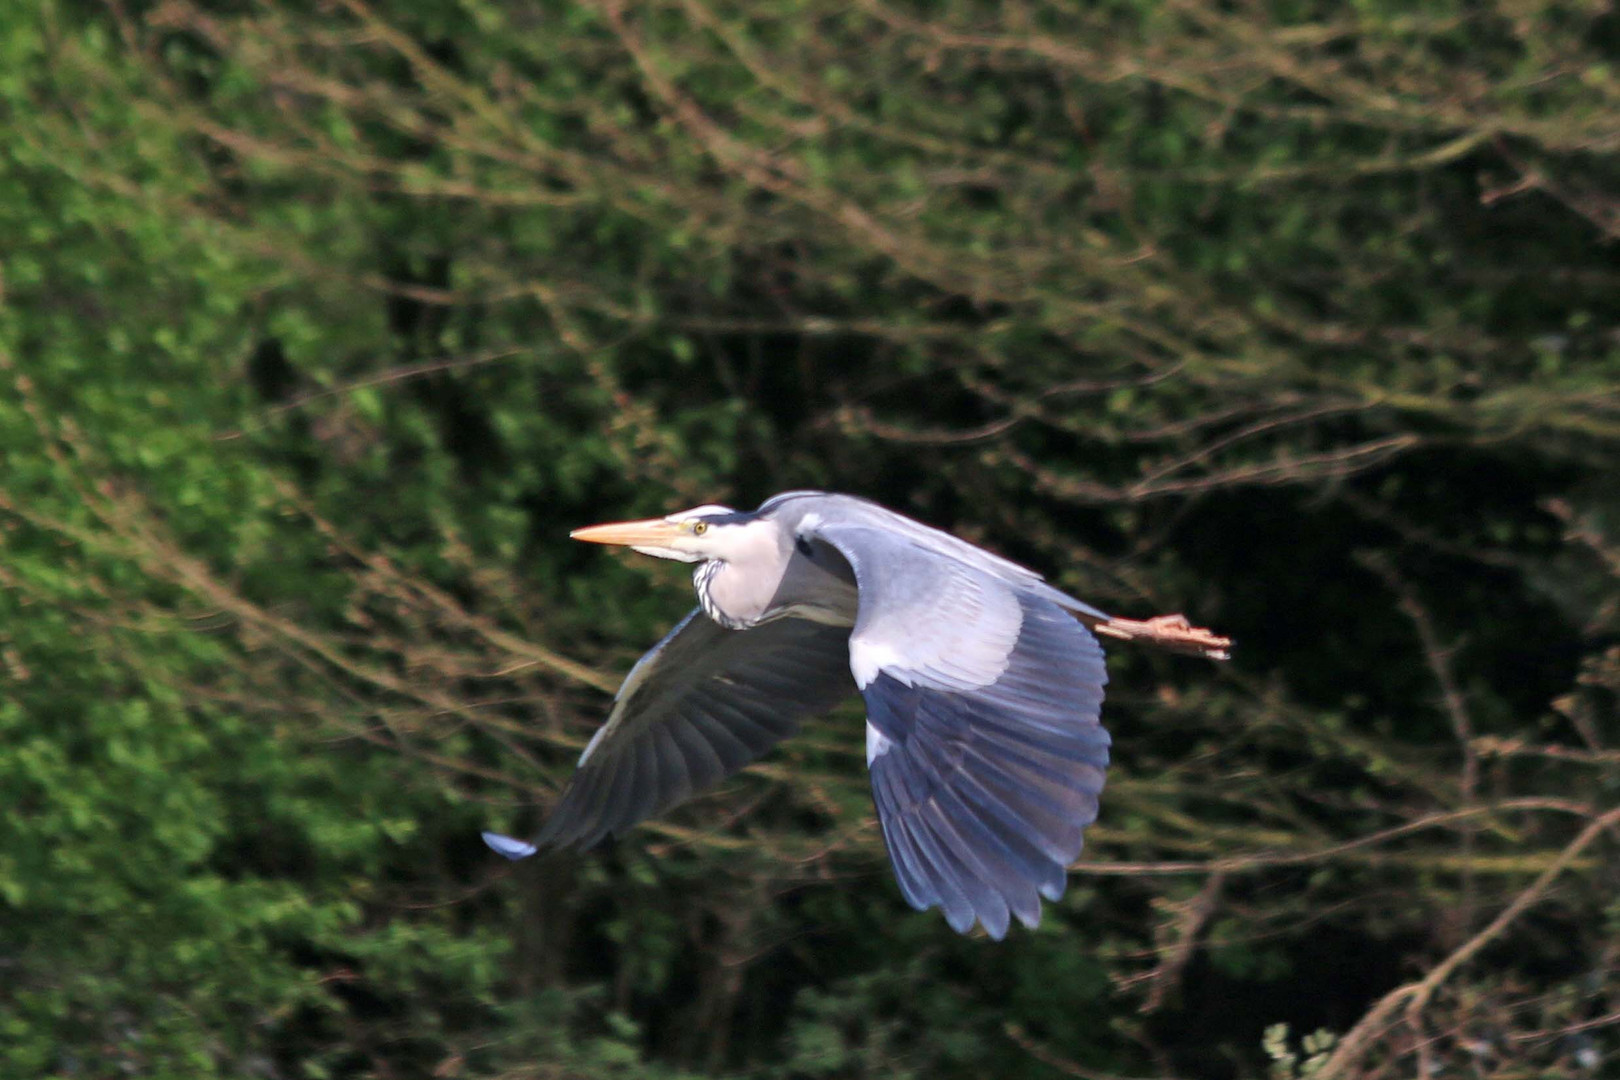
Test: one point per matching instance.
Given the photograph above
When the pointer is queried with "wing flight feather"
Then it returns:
(701, 704)
(985, 748)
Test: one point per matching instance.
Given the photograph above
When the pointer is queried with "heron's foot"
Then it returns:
(1171, 632)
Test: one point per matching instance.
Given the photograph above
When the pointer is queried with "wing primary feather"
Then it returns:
(1040, 854)
(990, 865)
(958, 908)
(1010, 863)
(911, 870)
(620, 781)
(574, 810)
(979, 882)
(748, 730)
(588, 821)
(732, 751)
(1059, 835)
(675, 780)
(703, 765)
(645, 796)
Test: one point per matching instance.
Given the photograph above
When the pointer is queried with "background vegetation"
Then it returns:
(322, 321)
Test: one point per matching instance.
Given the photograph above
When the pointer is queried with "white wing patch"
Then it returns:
(867, 658)
(877, 743)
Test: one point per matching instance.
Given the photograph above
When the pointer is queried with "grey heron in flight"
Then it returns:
(983, 688)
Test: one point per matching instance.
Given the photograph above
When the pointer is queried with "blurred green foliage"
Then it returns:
(321, 323)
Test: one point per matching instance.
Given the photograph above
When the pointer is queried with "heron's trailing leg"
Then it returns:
(1171, 632)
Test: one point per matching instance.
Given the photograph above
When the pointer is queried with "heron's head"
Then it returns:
(704, 532)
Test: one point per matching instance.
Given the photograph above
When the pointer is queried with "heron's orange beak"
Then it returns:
(654, 532)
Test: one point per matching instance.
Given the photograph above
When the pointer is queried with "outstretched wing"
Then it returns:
(700, 705)
(982, 735)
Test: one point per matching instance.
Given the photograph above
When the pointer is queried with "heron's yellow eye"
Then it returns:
(699, 528)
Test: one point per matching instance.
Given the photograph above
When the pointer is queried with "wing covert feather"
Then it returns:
(924, 617)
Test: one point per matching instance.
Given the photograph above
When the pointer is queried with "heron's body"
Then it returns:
(982, 683)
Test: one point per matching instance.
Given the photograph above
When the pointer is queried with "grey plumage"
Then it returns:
(983, 687)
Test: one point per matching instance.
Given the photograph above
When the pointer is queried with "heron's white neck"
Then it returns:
(736, 585)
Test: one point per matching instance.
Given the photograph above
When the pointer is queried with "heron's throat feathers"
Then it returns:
(703, 579)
